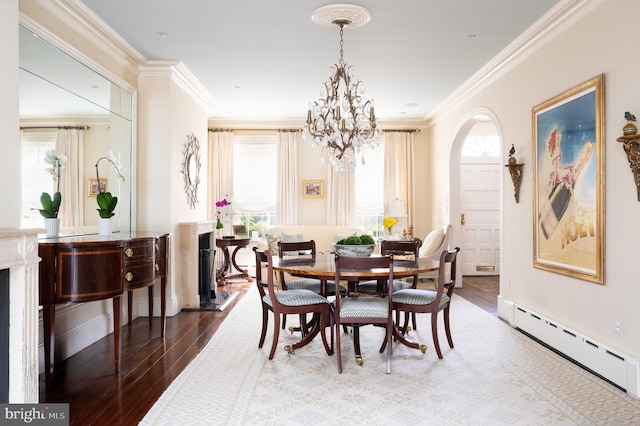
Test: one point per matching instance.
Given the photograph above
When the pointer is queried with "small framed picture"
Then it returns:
(93, 186)
(240, 230)
(313, 188)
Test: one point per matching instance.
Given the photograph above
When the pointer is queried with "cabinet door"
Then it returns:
(89, 272)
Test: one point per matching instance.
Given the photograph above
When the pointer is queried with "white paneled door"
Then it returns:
(480, 218)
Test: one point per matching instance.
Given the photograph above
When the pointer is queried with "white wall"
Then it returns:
(9, 116)
(598, 43)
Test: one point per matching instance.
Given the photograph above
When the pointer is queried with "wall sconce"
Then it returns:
(515, 170)
(631, 145)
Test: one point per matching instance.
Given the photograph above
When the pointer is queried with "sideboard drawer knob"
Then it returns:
(128, 276)
(129, 252)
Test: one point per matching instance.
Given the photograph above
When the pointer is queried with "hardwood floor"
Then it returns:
(97, 396)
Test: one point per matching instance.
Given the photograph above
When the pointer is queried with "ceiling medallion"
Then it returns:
(341, 122)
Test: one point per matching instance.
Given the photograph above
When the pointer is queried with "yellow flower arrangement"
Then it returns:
(388, 223)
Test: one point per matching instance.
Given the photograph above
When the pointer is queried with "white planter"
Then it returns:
(105, 226)
(52, 225)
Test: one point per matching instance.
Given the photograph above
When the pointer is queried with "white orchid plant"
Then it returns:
(50, 206)
(107, 202)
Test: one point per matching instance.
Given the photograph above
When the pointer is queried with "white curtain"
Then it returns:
(341, 204)
(70, 142)
(220, 169)
(287, 193)
(399, 180)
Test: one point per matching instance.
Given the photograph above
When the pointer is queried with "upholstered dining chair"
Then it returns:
(302, 248)
(299, 301)
(417, 301)
(358, 309)
(396, 248)
(308, 249)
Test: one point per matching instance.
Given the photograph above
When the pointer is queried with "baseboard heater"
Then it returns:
(618, 369)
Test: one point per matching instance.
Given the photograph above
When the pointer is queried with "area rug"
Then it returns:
(493, 376)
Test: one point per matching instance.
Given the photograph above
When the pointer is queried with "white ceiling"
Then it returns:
(265, 60)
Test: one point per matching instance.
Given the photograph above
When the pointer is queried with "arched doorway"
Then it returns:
(476, 193)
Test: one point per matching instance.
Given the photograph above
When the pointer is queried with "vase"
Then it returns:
(52, 225)
(105, 226)
(629, 129)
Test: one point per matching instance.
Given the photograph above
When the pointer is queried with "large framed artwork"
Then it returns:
(568, 169)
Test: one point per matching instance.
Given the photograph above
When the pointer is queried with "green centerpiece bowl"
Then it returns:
(354, 250)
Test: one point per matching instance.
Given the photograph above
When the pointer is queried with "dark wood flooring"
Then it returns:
(149, 364)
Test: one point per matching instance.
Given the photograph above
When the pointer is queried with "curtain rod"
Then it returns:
(401, 130)
(255, 130)
(57, 127)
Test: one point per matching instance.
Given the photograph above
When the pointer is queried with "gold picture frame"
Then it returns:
(568, 182)
(92, 186)
(313, 189)
(240, 230)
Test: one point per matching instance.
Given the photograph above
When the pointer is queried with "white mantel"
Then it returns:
(19, 254)
(189, 256)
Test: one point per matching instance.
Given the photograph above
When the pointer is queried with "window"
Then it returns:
(255, 162)
(35, 179)
(369, 189)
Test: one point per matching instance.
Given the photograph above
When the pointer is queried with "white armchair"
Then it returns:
(432, 246)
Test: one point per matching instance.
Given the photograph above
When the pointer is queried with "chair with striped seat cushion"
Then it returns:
(300, 302)
(297, 248)
(358, 309)
(405, 248)
(417, 301)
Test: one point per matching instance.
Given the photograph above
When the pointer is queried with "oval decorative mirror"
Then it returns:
(191, 169)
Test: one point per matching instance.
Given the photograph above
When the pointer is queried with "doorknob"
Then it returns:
(462, 221)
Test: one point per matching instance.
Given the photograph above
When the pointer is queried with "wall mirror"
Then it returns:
(58, 92)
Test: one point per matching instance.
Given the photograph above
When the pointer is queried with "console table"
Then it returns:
(230, 259)
(91, 267)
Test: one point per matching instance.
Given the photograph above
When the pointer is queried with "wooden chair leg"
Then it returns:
(434, 333)
(276, 335)
(338, 347)
(446, 327)
(265, 323)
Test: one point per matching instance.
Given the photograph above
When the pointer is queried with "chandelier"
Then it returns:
(341, 122)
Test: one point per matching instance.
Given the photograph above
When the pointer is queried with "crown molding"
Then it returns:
(557, 20)
(181, 75)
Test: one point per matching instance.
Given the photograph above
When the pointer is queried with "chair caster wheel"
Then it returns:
(408, 329)
(292, 329)
(423, 348)
(359, 360)
(288, 349)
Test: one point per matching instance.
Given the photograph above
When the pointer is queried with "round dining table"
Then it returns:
(322, 267)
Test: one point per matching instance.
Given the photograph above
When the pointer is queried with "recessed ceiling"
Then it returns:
(265, 60)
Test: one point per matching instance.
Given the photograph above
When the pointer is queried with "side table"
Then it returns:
(223, 273)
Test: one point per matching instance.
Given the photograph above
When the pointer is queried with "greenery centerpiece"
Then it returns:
(355, 245)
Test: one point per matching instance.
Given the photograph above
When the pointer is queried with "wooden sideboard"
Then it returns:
(90, 267)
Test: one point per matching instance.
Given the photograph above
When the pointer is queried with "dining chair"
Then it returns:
(403, 248)
(298, 301)
(302, 249)
(416, 301)
(358, 309)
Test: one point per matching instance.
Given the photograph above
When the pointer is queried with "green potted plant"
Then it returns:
(355, 245)
(106, 201)
(51, 205)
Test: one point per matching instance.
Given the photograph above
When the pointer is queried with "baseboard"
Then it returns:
(614, 366)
